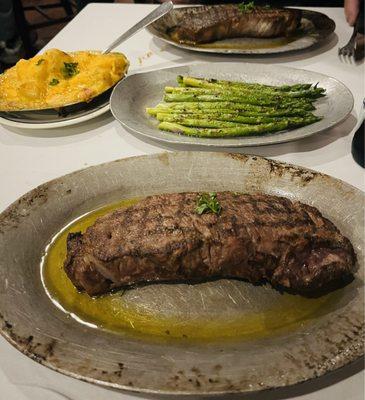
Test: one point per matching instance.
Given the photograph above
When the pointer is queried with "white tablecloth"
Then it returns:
(29, 158)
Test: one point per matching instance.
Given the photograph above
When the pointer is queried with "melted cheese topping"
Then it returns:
(45, 82)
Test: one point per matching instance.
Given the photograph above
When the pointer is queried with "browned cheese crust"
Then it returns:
(255, 237)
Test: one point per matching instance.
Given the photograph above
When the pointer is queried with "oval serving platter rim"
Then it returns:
(240, 141)
(310, 14)
(343, 359)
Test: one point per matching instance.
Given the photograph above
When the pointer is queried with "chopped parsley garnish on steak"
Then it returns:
(208, 203)
(246, 7)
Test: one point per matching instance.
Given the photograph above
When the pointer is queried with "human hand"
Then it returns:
(352, 8)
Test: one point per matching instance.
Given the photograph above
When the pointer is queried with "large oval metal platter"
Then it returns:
(29, 320)
(136, 92)
(315, 28)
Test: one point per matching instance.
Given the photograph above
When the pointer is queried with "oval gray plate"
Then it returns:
(35, 326)
(136, 92)
(315, 28)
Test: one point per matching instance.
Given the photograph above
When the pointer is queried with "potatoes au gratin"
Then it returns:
(55, 79)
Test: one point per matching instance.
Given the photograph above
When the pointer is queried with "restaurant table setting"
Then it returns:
(234, 124)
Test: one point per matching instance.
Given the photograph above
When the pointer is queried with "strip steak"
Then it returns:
(255, 237)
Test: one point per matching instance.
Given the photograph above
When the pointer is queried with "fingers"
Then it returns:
(352, 8)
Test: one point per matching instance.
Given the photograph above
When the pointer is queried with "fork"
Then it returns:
(349, 49)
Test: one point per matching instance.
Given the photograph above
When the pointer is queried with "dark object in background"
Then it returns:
(357, 146)
(8, 26)
(360, 19)
(82, 3)
(11, 47)
(26, 28)
(360, 42)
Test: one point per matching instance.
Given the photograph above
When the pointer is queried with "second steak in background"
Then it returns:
(210, 23)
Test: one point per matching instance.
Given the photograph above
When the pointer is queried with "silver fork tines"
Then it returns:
(349, 49)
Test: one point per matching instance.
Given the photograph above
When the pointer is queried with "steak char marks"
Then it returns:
(255, 237)
(210, 23)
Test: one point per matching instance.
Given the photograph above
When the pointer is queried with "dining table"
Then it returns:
(29, 158)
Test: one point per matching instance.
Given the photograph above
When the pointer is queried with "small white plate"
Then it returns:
(50, 118)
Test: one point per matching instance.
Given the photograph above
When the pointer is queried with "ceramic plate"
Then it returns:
(324, 340)
(51, 118)
(315, 28)
(136, 92)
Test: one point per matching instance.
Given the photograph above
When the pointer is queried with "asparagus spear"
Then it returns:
(211, 120)
(247, 99)
(312, 93)
(200, 122)
(210, 83)
(214, 105)
(235, 113)
(243, 130)
(232, 107)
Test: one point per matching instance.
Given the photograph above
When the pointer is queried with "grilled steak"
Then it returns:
(209, 23)
(255, 237)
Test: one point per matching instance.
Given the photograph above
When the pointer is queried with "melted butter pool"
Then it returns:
(220, 310)
(248, 44)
